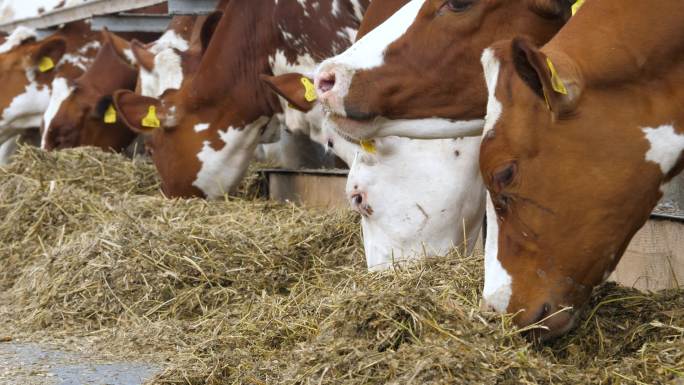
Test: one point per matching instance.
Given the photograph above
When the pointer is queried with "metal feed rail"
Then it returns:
(80, 12)
(111, 14)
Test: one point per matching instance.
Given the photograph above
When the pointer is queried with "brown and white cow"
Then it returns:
(81, 111)
(203, 136)
(581, 137)
(423, 196)
(28, 67)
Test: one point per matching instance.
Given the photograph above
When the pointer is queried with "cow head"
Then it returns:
(81, 112)
(183, 142)
(423, 63)
(26, 70)
(574, 169)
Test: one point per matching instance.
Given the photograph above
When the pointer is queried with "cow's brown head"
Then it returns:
(574, 167)
(82, 113)
(423, 62)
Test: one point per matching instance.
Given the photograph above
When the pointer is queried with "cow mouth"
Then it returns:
(352, 129)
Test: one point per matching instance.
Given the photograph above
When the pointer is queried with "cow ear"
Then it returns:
(296, 88)
(144, 57)
(48, 53)
(141, 114)
(556, 83)
(209, 27)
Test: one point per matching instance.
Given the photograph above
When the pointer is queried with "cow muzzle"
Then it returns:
(332, 84)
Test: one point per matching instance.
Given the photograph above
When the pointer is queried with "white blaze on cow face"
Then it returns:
(60, 92)
(497, 284)
(222, 170)
(492, 67)
(167, 74)
(666, 147)
(416, 197)
(366, 53)
(168, 70)
(170, 39)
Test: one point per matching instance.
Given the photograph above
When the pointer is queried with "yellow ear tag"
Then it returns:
(110, 115)
(556, 82)
(45, 64)
(577, 6)
(368, 146)
(310, 91)
(151, 120)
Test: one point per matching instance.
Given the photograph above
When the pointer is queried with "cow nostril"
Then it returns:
(326, 82)
(358, 199)
(543, 313)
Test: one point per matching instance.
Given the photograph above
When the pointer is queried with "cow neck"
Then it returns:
(228, 75)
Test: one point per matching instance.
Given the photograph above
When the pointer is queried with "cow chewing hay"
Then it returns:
(245, 291)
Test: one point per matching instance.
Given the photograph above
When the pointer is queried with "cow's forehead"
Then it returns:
(369, 51)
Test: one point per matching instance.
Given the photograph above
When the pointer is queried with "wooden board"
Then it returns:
(655, 258)
(308, 187)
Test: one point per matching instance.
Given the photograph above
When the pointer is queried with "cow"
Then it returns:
(30, 66)
(203, 136)
(82, 113)
(420, 196)
(581, 137)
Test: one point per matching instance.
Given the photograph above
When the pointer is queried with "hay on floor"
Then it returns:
(245, 291)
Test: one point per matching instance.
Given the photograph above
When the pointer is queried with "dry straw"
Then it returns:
(245, 291)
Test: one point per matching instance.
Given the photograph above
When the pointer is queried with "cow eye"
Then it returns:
(459, 5)
(504, 176)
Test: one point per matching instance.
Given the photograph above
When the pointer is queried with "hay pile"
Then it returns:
(245, 291)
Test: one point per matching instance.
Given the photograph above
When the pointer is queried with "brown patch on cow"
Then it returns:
(209, 27)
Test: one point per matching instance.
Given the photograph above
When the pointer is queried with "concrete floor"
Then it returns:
(34, 364)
